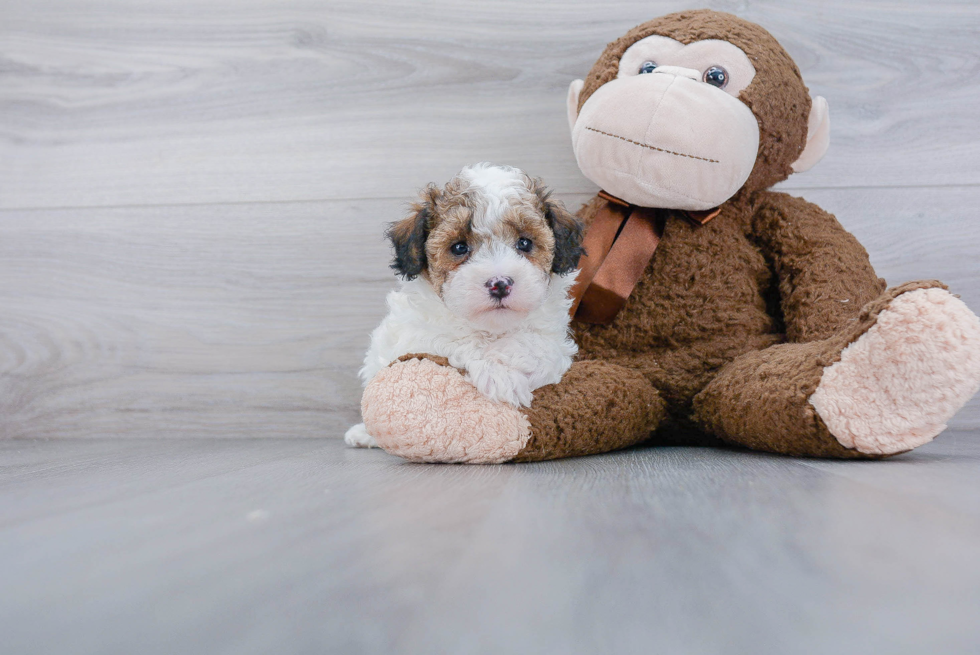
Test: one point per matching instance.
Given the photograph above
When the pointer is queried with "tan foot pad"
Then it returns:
(425, 412)
(895, 387)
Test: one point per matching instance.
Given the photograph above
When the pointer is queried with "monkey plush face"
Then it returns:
(685, 110)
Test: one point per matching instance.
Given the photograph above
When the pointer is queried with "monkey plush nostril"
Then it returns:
(499, 287)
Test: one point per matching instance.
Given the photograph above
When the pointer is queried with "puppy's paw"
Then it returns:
(516, 390)
(358, 437)
(500, 383)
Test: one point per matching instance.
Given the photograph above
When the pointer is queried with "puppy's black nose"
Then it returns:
(500, 286)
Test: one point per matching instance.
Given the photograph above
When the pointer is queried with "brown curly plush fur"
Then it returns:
(723, 311)
(591, 389)
(730, 329)
(761, 399)
(733, 322)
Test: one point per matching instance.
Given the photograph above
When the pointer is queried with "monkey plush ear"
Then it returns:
(817, 136)
(574, 89)
(408, 236)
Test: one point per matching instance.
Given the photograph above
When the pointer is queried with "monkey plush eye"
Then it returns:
(647, 67)
(524, 244)
(716, 76)
(459, 249)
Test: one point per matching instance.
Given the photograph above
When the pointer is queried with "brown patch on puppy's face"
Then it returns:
(492, 239)
(453, 226)
(453, 240)
(523, 222)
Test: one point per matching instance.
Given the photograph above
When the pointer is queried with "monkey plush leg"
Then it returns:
(426, 412)
(597, 407)
(883, 386)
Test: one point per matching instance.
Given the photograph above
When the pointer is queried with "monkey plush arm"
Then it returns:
(824, 274)
(425, 411)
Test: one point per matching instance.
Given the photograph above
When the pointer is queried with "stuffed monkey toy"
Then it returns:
(708, 308)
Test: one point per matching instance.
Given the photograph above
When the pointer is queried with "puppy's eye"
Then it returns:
(524, 244)
(459, 249)
(716, 76)
(647, 67)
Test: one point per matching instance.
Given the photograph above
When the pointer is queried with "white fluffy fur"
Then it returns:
(505, 366)
(498, 186)
(507, 347)
(465, 292)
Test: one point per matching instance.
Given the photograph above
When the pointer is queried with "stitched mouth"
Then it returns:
(646, 145)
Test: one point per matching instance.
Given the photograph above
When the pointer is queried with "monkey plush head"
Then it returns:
(685, 110)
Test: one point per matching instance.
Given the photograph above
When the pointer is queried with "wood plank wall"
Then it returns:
(192, 193)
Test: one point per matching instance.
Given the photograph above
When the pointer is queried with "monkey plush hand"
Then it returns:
(712, 309)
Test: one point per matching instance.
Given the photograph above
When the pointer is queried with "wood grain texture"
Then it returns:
(192, 198)
(130, 103)
(304, 546)
(251, 320)
(192, 195)
(171, 321)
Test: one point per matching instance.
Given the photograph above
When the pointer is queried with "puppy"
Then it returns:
(487, 264)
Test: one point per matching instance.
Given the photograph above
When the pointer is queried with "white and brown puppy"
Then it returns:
(487, 264)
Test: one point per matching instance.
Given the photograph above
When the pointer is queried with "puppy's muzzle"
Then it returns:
(499, 287)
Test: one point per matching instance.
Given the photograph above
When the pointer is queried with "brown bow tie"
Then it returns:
(619, 244)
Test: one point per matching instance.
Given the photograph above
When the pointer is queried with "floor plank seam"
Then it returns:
(558, 192)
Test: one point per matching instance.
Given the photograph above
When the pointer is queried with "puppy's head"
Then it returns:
(488, 243)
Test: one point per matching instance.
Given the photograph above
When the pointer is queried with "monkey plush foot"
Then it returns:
(895, 387)
(426, 412)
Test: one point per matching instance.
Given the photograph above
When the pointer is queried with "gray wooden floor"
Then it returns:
(192, 196)
(302, 545)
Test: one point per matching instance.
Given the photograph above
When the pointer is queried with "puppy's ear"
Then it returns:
(408, 235)
(567, 229)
